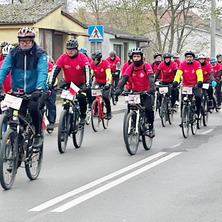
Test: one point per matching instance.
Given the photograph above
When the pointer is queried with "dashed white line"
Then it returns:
(208, 131)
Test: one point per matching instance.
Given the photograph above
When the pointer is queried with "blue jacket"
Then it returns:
(29, 69)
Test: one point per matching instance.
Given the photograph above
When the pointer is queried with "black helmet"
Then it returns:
(112, 54)
(218, 55)
(96, 55)
(137, 51)
(72, 44)
(189, 52)
(157, 54)
(167, 55)
(4, 43)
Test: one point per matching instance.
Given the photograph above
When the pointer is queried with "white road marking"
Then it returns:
(176, 145)
(113, 184)
(94, 183)
(208, 131)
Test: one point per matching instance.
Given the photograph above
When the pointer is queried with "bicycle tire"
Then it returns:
(163, 112)
(78, 132)
(147, 142)
(131, 138)
(34, 157)
(194, 123)
(88, 115)
(3, 124)
(185, 121)
(8, 159)
(113, 96)
(105, 121)
(205, 112)
(95, 119)
(63, 130)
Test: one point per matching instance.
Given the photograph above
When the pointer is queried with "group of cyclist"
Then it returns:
(26, 67)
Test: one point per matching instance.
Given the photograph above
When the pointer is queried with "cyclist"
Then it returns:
(2, 45)
(176, 59)
(84, 51)
(168, 69)
(141, 75)
(102, 74)
(192, 74)
(28, 65)
(114, 62)
(217, 76)
(219, 58)
(157, 60)
(208, 74)
(76, 69)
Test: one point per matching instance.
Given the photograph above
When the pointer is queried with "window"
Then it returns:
(118, 49)
(95, 46)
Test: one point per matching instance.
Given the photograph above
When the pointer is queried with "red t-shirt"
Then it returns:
(154, 67)
(189, 73)
(216, 69)
(207, 69)
(100, 71)
(167, 71)
(124, 68)
(113, 63)
(139, 78)
(73, 67)
(6, 85)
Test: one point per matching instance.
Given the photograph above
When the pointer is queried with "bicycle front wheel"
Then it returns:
(8, 159)
(78, 131)
(114, 101)
(163, 112)
(205, 112)
(33, 161)
(185, 121)
(131, 134)
(194, 123)
(3, 124)
(147, 142)
(63, 131)
(105, 121)
(88, 115)
(95, 119)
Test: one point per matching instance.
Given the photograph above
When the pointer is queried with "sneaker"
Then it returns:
(151, 133)
(51, 126)
(109, 116)
(38, 141)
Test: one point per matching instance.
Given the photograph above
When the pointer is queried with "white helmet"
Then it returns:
(202, 55)
(7, 49)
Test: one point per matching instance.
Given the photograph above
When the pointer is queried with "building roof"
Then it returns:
(119, 34)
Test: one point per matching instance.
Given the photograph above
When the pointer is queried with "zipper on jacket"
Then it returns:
(25, 60)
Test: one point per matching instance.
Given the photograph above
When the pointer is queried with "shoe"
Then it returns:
(82, 120)
(218, 106)
(151, 133)
(109, 116)
(180, 125)
(51, 126)
(38, 141)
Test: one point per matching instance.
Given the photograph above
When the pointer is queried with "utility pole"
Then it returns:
(213, 28)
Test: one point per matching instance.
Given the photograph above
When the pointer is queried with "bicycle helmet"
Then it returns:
(202, 55)
(137, 51)
(26, 32)
(189, 52)
(96, 55)
(7, 49)
(83, 50)
(157, 54)
(72, 44)
(176, 55)
(213, 60)
(130, 53)
(4, 43)
(112, 54)
(167, 55)
(218, 55)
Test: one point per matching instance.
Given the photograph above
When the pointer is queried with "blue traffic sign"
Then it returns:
(95, 33)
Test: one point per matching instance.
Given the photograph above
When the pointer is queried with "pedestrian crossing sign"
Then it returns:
(95, 33)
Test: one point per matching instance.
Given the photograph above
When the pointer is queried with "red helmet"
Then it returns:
(26, 32)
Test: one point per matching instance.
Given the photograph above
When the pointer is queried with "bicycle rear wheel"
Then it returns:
(63, 130)
(33, 161)
(185, 121)
(8, 159)
(78, 131)
(114, 101)
(95, 119)
(131, 134)
(88, 115)
(147, 142)
(105, 121)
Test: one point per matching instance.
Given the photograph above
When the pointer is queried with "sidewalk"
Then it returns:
(120, 107)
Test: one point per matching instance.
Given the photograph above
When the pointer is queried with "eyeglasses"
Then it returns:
(25, 41)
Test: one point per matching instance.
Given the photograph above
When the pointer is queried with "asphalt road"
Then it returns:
(177, 180)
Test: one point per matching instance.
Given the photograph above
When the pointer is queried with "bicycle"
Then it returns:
(135, 124)
(99, 110)
(189, 115)
(17, 146)
(69, 121)
(166, 112)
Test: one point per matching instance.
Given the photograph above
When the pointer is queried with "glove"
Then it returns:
(213, 83)
(35, 95)
(200, 84)
(175, 84)
(118, 92)
(107, 86)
